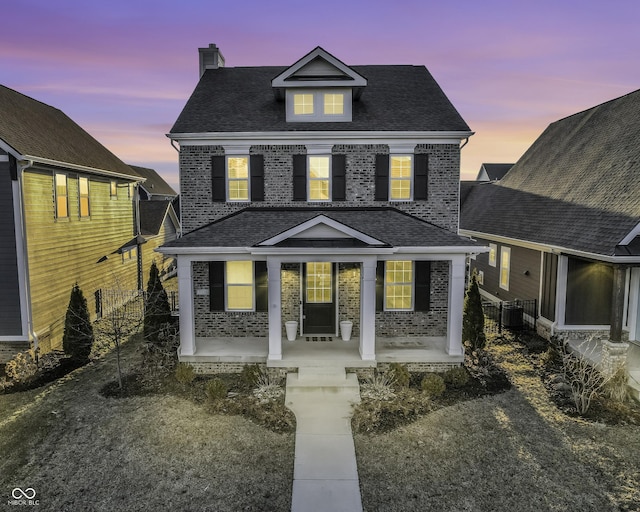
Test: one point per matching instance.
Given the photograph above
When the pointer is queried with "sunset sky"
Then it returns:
(124, 69)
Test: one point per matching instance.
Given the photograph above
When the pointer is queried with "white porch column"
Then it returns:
(457, 267)
(275, 308)
(185, 292)
(368, 310)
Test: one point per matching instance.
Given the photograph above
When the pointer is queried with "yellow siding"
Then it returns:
(65, 251)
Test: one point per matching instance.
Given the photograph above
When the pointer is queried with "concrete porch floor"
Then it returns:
(317, 353)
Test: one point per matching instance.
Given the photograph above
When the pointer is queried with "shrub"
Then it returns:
(473, 316)
(185, 374)
(268, 385)
(433, 385)
(586, 382)
(250, 375)
(157, 312)
(456, 377)
(22, 367)
(215, 389)
(378, 387)
(383, 416)
(400, 375)
(78, 338)
(616, 387)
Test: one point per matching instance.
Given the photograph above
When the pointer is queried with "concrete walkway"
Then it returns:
(325, 475)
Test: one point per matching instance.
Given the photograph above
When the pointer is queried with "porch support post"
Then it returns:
(275, 308)
(617, 303)
(368, 309)
(185, 292)
(456, 299)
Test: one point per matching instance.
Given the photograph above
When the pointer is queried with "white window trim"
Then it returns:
(88, 216)
(411, 178)
(318, 105)
(493, 250)
(227, 179)
(504, 250)
(55, 192)
(309, 179)
(413, 288)
(253, 291)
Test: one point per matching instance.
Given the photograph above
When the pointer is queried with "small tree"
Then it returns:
(78, 332)
(157, 312)
(473, 316)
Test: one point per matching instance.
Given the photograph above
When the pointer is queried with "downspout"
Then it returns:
(21, 167)
(466, 141)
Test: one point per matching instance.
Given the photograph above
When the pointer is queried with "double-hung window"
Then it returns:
(83, 196)
(398, 285)
(400, 177)
(493, 249)
(505, 265)
(113, 189)
(319, 178)
(62, 196)
(238, 178)
(239, 280)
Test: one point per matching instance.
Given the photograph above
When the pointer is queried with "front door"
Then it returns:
(319, 292)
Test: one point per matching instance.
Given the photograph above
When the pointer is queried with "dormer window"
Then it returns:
(319, 105)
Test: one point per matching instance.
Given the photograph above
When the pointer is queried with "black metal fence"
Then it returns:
(517, 315)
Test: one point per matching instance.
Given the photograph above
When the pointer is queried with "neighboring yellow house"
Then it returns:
(69, 207)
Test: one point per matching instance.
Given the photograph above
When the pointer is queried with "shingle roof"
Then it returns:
(154, 183)
(152, 214)
(251, 226)
(242, 100)
(38, 130)
(577, 186)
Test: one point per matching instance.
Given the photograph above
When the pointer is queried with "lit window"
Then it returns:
(83, 193)
(398, 285)
(302, 104)
(480, 277)
(129, 254)
(400, 177)
(62, 197)
(319, 283)
(319, 178)
(505, 262)
(333, 104)
(238, 178)
(493, 250)
(239, 284)
(113, 189)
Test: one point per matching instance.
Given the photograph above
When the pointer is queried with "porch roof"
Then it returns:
(251, 226)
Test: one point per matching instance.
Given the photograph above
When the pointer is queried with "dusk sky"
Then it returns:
(123, 70)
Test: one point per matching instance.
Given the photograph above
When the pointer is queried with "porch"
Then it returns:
(330, 351)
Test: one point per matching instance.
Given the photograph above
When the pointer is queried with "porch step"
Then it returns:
(634, 384)
(315, 372)
(329, 381)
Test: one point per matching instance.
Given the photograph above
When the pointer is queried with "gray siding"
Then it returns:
(10, 316)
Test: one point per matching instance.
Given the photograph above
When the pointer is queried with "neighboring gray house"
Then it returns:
(563, 225)
(154, 188)
(493, 172)
(322, 196)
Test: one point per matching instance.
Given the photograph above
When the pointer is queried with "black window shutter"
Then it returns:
(422, 300)
(382, 178)
(299, 177)
(257, 177)
(420, 176)
(338, 175)
(261, 280)
(216, 285)
(219, 193)
(380, 286)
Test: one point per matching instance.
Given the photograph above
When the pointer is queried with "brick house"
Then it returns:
(319, 194)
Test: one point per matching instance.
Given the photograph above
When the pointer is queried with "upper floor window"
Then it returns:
(62, 196)
(505, 266)
(113, 189)
(400, 178)
(319, 105)
(319, 178)
(83, 196)
(237, 178)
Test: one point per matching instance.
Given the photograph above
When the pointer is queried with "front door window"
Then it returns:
(319, 298)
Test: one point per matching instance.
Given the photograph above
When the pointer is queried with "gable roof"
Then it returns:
(37, 131)
(493, 172)
(154, 184)
(241, 99)
(152, 215)
(252, 226)
(577, 186)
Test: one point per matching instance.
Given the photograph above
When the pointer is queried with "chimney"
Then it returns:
(210, 58)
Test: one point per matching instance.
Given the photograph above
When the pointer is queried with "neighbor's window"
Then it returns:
(62, 196)
(400, 177)
(238, 178)
(83, 195)
(398, 285)
(505, 263)
(333, 104)
(239, 285)
(480, 277)
(302, 104)
(493, 250)
(113, 190)
(319, 178)
(319, 282)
